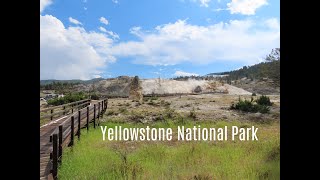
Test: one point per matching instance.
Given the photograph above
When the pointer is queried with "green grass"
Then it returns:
(92, 158)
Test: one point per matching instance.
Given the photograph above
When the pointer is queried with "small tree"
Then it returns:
(274, 55)
(264, 100)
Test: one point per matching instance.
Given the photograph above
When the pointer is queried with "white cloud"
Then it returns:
(85, 8)
(97, 76)
(113, 35)
(273, 23)
(74, 21)
(219, 9)
(102, 29)
(239, 41)
(245, 7)
(110, 33)
(115, 1)
(204, 3)
(71, 53)
(44, 4)
(135, 30)
(104, 20)
(182, 73)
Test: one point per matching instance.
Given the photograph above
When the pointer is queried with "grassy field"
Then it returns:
(93, 158)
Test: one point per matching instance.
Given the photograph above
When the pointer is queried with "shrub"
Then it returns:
(153, 98)
(135, 117)
(264, 100)
(94, 97)
(123, 110)
(254, 94)
(169, 113)
(192, 114)
(111, 112)
(245, 105)
(68, 98)
(165, 103)
(263, 109)
(249, 106)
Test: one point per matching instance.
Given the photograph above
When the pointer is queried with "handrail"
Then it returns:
(68, 104)
(63, 135)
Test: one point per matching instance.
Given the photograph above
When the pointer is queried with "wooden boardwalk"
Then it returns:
(59, 133)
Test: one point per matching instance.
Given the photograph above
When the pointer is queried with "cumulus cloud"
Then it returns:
(103, 20)
(74, 21)
(44, 4)
(245, 7)
(102, 29)
(243, 41)
(182, 73)
(71, 53)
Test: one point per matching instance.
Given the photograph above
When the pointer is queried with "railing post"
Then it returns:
(60, 143)
(79, 123)
(71, 108)
(51, 114)
(64, 110)
(106, 104)
(94, 116)
(72, 131)
(99, 111)
(102, 109)
(55, 156)
(87, 118)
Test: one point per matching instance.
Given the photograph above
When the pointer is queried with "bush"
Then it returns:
(154, 98)
(254, 94)
(246, 106)
(111, 112)
(169, 113)
(264, 100)
(123, 110)
(263, 109)
(249, 106)
(192, 114)
(94, 97)
(68, 98)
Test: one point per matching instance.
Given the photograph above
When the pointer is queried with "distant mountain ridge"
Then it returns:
(49, 81)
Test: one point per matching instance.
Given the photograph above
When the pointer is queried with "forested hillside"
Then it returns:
(269, 69)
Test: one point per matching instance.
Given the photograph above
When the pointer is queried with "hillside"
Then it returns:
(262, 78)
(74, 81)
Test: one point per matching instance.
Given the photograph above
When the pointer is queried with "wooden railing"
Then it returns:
(57, 111)
(63, 136)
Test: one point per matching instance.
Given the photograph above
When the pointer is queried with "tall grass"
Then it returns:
(92, 158)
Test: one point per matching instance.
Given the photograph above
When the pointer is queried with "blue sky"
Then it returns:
(83, 39)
